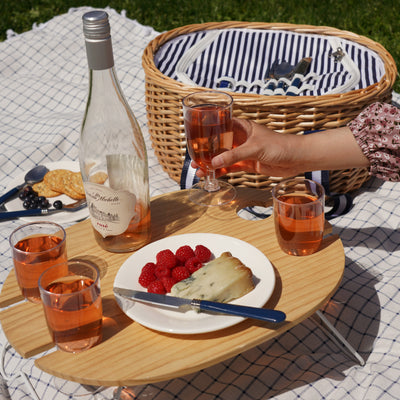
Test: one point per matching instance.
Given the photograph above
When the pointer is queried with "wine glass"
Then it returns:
(208, 127)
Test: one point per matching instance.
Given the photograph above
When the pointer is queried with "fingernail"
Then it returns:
(217, 162)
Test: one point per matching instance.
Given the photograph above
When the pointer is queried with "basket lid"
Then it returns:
(241, 60)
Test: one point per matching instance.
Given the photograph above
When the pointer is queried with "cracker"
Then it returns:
(69, 188)
(66, 182)
(55, 179)
(99, 177)
(43, 189)
(77, 183)
(69, 191)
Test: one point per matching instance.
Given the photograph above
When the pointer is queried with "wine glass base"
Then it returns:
(225, 195)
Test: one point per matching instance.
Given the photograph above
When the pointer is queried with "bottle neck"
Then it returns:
(99, 54)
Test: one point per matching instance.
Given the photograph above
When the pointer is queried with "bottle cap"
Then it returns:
(96, 25)
(96, 30)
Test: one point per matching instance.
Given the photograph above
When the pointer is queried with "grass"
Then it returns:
(376, 19)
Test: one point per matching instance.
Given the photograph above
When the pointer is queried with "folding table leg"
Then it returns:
(335, 335)
(117, 393)
(123, 393)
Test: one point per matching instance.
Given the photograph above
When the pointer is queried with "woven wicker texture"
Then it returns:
(285, 114)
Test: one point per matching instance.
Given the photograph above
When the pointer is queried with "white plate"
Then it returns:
(61, 217)
(191, 322)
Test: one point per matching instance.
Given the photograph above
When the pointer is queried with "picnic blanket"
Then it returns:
(43, 86)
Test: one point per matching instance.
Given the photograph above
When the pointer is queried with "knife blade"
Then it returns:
(262, 314)
(300, 70)
(26, 213)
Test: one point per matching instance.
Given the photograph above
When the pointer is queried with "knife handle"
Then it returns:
(20, 213)
(9, 194)
(242, 311)
(297, 81)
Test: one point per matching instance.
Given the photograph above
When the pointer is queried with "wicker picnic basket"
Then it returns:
(285, 114)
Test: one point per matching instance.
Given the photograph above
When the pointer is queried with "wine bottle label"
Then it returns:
(110, 210)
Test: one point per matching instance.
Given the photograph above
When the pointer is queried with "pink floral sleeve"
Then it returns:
(377, 131)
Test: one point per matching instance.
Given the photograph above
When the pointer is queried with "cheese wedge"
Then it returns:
(223, 279)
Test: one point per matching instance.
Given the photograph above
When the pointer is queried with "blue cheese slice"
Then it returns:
(223, 279)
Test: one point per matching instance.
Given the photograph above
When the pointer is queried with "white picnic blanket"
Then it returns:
(43, 89)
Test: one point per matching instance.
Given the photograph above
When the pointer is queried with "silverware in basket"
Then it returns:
(281, 73)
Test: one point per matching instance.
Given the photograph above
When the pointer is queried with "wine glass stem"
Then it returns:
(211, 183)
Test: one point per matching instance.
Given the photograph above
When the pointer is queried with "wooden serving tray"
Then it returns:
(131, 354)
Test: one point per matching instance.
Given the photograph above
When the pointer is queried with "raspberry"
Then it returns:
(166, 258)
(146, 277)
(156, 287)
(168, 282)
(203, 253)
(184, 253)
(193, 264)
(149, 267)
(180, 273)
(162, 271)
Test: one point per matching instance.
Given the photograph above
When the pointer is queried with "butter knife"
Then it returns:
(262, 314)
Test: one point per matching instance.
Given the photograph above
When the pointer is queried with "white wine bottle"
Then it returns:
(112, 152)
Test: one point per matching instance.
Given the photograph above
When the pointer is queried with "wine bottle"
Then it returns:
(112, 152)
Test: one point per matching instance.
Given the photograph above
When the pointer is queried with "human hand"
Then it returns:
(257, 149)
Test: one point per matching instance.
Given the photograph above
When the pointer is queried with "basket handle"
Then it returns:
(191, 55)
(348, 64)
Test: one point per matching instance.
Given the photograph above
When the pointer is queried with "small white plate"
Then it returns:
(192, 322)
(61, 217)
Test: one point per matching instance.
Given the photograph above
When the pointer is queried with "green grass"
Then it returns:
(376, 19)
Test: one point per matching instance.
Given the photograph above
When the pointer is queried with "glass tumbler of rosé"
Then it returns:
(35, 247)
(299, 215)
(72, 304)
(208, 127)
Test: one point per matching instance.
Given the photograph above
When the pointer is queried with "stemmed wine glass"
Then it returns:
(208, 127)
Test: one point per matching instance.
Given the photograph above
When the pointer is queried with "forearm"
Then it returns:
(329, 150)
(371, 140)
(277, 154)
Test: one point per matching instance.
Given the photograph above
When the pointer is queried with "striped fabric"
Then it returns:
(245, 57)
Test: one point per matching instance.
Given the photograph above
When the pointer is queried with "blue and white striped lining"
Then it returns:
(244, 57)
(341, 203)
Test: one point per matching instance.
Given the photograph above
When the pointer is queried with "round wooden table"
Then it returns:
(131, 354)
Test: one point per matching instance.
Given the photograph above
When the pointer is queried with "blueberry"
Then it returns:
(44, 203)
(27, 190)
(31, 196)
(58, 204)
(31, 199)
